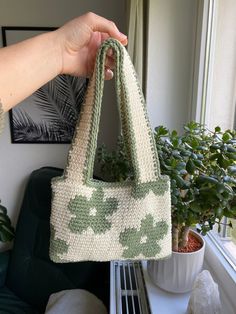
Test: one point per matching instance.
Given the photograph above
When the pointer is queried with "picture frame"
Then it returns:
(50, 114)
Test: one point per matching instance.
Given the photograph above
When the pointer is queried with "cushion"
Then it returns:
(75, 301)
(32, 276)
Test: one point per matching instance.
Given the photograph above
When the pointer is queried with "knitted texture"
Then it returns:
(1, 118)
(102, 221)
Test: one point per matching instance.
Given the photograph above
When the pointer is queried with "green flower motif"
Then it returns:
(57, 246)
(92, 212)
(145, 240)
(158, 188)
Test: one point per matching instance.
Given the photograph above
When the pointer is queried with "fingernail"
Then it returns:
(109, 73)
(110, 52)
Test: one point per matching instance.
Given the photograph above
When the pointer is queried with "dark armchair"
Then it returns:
(27, 275)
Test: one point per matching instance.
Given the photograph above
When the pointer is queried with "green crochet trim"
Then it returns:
(92, 213)
(145, 240)
(163, 184)
(57, 245)
(1, 118)
(159, 187)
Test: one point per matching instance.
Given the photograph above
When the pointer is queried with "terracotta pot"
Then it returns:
(178, 273)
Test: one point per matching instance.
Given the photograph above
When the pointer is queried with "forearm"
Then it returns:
(71, 49)
(26, 66)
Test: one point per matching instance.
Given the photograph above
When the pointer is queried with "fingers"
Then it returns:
(110, 52)
(100, 24)
(110, 62)
(109, 65)
(104, 36)
(108, 74)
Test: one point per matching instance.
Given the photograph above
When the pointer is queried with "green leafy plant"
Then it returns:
(6, 229)
(201, 165)
(65, 95)
(115, 165)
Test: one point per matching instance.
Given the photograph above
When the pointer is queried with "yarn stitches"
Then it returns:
(92, 213)
(145, 240)
(102, 221)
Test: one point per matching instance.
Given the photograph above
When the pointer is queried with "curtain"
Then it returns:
(137, 36)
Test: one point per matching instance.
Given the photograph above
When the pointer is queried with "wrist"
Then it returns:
(57, 51)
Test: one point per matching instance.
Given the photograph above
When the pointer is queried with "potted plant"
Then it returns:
(6, 229)
(202, 168)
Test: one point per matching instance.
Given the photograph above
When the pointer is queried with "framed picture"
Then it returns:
(50, 114)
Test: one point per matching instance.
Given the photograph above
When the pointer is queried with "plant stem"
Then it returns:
(184, 236)
(175, 238)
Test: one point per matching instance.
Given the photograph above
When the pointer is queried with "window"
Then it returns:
(226, 240)
(220, 100)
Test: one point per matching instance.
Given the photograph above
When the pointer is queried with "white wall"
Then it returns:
(170, 61)
(18, 160)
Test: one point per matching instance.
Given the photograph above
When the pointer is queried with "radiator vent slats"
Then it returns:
(129, 288)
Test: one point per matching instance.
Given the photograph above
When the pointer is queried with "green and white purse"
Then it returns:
(102, 221)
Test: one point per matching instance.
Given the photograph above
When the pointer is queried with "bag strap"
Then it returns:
(137, 133)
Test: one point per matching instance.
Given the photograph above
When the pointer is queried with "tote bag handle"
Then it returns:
(137, 133)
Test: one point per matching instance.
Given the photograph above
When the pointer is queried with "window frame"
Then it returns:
(222, 271)
(217, 240)
(217, 259)
(203, 60)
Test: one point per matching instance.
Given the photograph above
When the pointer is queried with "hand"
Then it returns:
(79, 40)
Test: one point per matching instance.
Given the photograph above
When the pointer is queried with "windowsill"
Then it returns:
(161, 301)
(212, 250)
(222, 272)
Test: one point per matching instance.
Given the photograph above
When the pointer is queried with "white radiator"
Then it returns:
(127, 288)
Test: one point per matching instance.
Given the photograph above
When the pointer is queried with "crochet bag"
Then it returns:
(101, 221)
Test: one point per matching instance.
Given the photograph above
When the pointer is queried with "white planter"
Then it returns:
(177, 273)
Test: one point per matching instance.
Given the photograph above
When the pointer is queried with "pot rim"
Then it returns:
(195, 252)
